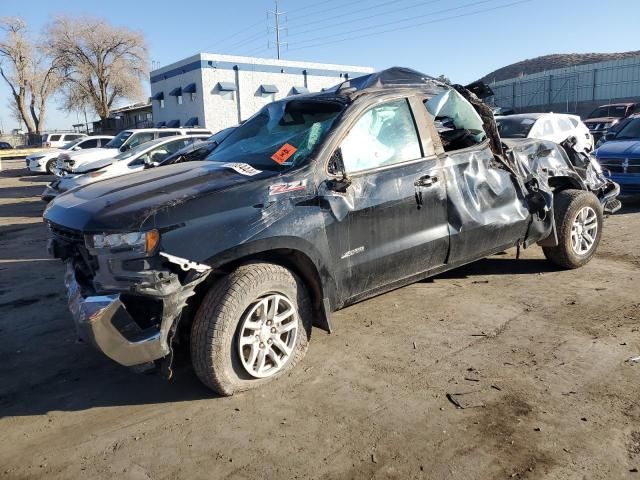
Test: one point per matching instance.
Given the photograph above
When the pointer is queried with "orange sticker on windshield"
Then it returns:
(284, 153)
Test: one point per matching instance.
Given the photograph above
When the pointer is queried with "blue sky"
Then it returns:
(443, 36)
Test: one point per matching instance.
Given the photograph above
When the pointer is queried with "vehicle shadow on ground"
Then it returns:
(95, 381)
(30, 208)
(25, 192)
(38, 178)
(12, 172)
(499, 265)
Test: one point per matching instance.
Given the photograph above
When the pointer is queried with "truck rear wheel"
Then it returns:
(252, 327)
(578, 217)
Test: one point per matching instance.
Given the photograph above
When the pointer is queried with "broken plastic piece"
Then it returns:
(185, 264)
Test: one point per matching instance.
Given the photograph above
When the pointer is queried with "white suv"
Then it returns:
(45, 161)
(57, 140)
(69, 162)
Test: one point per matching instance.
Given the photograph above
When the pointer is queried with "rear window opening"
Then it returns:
(457, 122)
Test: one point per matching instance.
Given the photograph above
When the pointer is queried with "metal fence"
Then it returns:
(572, 90)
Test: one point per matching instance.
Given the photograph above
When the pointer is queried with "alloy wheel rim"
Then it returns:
(268, 335)
(584, 231)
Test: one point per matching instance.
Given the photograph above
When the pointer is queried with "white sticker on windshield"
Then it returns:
(242, 168)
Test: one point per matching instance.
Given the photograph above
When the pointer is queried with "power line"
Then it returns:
(342, 14)
(311, 6)
(404, 20)
(247, 41)
(226, 39)
(335, 13)
(414, 25)
(387, 12)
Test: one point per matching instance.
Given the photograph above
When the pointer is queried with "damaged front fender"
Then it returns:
(132, 326)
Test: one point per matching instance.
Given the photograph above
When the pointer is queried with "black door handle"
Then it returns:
(426, 181)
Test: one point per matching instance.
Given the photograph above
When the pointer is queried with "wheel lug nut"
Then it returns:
(269, 341)
(269, 322)
(261, 345)
(273, 330)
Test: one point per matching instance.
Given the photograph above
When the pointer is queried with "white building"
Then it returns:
(218, 91)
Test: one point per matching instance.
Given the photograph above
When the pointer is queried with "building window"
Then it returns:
(179, 97)
(162, 103)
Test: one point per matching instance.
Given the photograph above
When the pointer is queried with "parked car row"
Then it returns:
(45, 161)
(603, 118)
(617, 149)
(316, 202)
(58, 140)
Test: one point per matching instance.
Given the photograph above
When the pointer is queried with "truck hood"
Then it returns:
(619, 148)
(126, 202)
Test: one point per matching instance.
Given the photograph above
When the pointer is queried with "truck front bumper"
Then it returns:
(104, 322)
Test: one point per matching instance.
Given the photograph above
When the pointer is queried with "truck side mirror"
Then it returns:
(336, 167)
(336, 164)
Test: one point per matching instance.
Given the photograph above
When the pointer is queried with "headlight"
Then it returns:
(145, 242)
(32, 159)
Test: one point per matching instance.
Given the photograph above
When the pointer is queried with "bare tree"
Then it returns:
(99, 63)
(28, 72)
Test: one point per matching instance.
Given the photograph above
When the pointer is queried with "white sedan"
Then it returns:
(556, 127)
(134, 160)
(45, 161)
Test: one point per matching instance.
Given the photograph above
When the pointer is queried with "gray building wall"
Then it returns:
(216, 108)
(576, 90)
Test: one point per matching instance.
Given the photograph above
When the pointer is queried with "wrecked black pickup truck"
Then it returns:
(316, 202)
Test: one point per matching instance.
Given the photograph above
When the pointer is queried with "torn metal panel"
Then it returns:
(484, 209)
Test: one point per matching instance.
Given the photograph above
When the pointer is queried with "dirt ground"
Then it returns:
(539, 356)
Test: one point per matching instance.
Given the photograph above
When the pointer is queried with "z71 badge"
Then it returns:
(287, 187)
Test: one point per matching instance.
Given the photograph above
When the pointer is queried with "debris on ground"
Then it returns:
(473, 399)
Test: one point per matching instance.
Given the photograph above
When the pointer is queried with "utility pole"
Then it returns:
(277, 29)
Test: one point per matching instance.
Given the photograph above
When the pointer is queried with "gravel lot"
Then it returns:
(540, 356)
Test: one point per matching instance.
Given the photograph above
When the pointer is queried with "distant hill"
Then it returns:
(550, 62)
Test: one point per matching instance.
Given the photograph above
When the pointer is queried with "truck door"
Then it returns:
(484, 210)
(390, 222)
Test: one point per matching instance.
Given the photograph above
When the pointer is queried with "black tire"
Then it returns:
(566, 206)
(49, 166)
(216, 327)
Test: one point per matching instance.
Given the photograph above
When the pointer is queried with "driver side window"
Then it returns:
(384, 135)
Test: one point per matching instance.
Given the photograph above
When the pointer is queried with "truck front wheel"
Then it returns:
(578, 217)
(252, 327)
